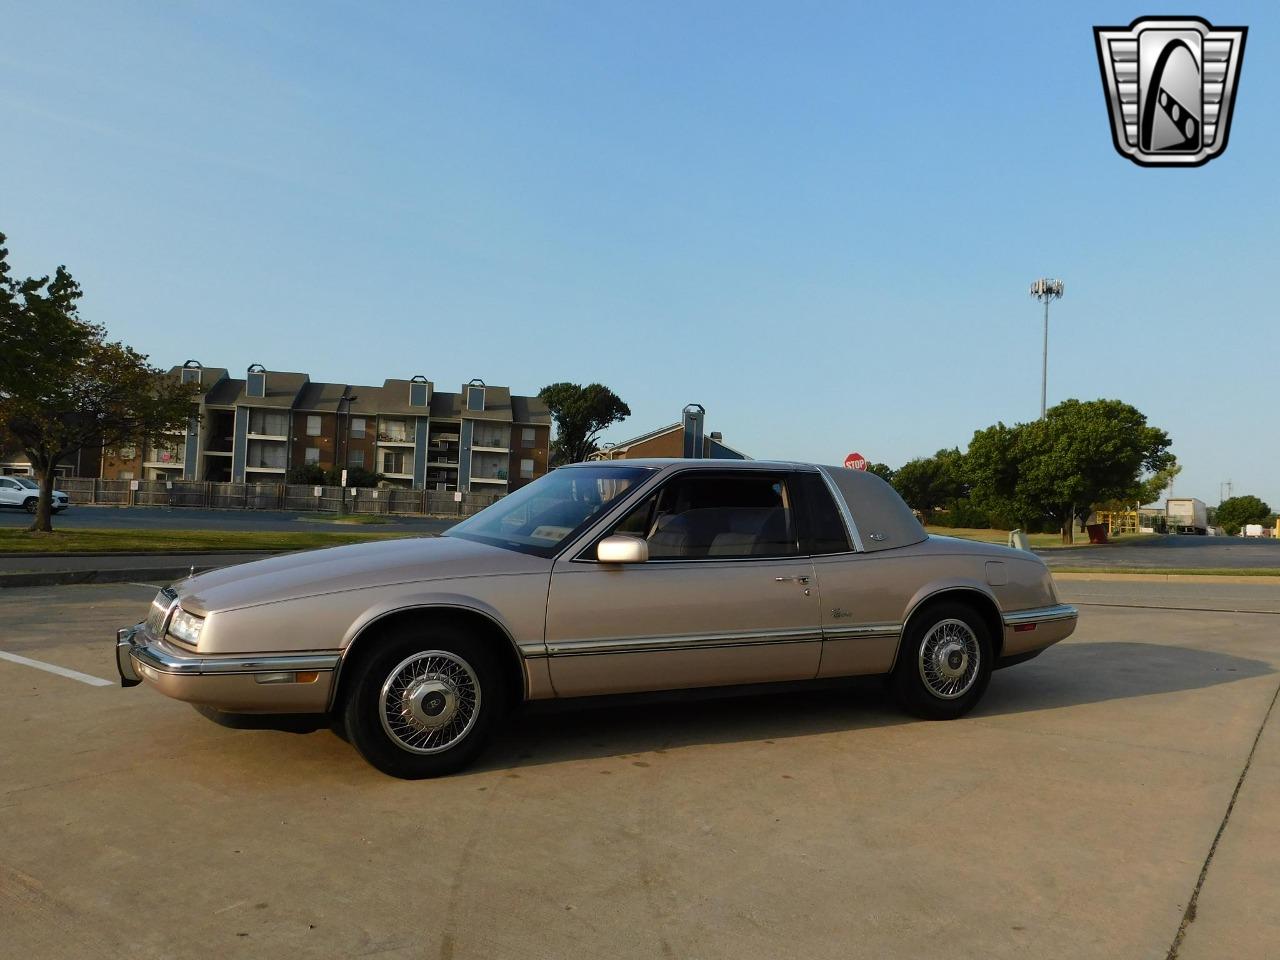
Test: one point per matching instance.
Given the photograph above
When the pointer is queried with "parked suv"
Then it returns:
(25, 492)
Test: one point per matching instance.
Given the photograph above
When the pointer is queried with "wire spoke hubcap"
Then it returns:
(429, 702)
(949, 659)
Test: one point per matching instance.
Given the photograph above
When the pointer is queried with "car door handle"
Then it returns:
(790, 579)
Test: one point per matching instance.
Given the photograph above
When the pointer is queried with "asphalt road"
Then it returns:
(161, 518)
(1205, 553)
(1095, 791)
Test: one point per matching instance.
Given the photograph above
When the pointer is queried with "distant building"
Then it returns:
(482, 438)
(667, 441)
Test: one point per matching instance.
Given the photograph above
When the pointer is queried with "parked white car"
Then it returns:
(24, 492)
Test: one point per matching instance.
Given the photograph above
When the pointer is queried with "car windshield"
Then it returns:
(537, 518)
(25, 482)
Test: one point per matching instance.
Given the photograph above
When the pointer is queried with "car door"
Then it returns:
(864, 585)
(9, 491)
(725, 598)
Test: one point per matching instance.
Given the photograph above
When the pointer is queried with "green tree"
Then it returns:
(65, 387)
(881, 470)
(580, 414)
(1234, 512)
(928, 483)
(1082, 453)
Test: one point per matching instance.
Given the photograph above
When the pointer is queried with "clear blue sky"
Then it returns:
(819, 221)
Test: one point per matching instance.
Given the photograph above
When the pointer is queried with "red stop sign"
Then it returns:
(855, 461)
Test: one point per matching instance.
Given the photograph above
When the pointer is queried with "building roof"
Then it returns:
(497, 404)
(282, 389)
(209, 376)
(320, 397)
(395, 398)
(446, 406)
(224, 393)
(529, 410)
(604, 453)
(365, 400)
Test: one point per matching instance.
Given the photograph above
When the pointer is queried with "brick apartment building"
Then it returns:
(481, 438)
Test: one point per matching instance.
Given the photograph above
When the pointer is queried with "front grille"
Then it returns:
(158, 616)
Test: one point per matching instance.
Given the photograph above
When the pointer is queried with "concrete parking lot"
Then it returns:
(1072, 816)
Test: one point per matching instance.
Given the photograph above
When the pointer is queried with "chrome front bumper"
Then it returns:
(276, 683)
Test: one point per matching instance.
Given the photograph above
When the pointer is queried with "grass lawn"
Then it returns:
(150, 541)
(1037, 540)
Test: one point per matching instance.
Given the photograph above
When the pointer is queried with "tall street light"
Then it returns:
(1044, 290)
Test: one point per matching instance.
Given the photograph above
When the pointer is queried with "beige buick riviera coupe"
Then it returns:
(601, 578)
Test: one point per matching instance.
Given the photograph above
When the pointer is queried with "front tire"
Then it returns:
(425, 701)
(945, 662)
(31, 504)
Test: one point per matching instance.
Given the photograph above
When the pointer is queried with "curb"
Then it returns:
(1165, 577)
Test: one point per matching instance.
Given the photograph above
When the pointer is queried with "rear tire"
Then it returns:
(424, 701)
(945, 662)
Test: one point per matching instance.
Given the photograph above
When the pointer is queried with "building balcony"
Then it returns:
(397, 476)
(494, 480)
(218, 445)
(443, 464)
(394, 441)
(253, 469)
(445, 438)
(268, 436)
(483, 448)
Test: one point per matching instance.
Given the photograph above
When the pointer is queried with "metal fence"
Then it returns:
(273, 496)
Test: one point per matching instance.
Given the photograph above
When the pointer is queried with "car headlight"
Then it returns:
(186, 626)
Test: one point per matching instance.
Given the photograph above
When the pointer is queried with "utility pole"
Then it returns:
(1044, 290)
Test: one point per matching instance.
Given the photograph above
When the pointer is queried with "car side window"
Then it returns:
(716, 517)
(8, 485)
(824, 526)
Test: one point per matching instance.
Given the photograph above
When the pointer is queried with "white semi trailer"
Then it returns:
(1187, 515)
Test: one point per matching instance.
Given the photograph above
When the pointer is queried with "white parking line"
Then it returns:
(60, 671)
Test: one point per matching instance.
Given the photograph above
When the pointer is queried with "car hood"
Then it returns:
(353, 567)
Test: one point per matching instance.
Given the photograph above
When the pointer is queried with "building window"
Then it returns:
(128, 453)
(125, 475)
(357, 427)
(356, 459)
(393, 461)
(395, 430)
(313, 425)
(312, 455)
(418, 394)
(269, 423)
(526, 437)
(526, 469)
(475, 398)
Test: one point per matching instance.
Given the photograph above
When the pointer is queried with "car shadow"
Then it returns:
(1068, 675)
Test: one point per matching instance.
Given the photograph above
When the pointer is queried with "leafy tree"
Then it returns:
(315, 475)
(881, 470)
(65, 387)
(1082, 453)
(928, 483)
(1234, 512)
(580, 414)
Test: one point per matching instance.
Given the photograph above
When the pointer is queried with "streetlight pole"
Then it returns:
(1044, 290)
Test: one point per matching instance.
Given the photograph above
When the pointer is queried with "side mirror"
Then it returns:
(621, 548)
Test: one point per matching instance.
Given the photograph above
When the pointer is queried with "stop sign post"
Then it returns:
(855, 461)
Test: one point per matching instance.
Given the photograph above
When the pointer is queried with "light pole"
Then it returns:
(1044, 290)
